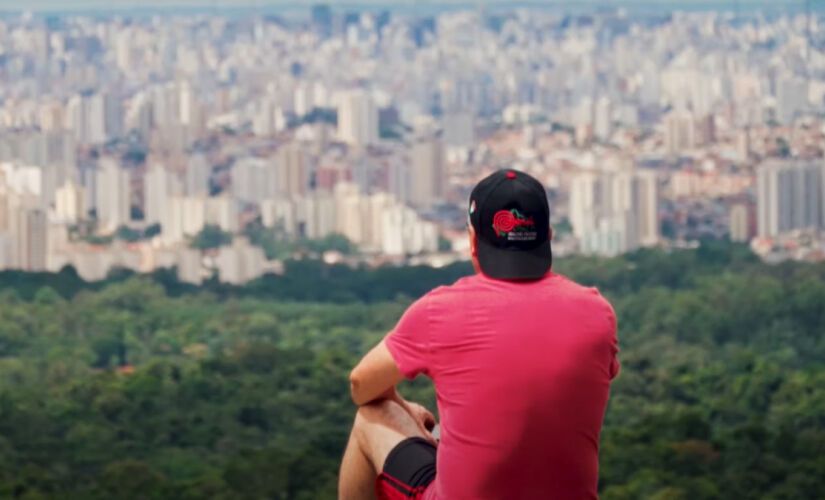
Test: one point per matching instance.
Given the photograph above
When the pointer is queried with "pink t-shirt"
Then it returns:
(522, 372)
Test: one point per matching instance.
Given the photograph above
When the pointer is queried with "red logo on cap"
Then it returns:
(506, 221)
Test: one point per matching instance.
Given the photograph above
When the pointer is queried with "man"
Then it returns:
(521, 358)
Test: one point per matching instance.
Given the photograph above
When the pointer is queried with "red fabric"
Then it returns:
(522, 372)
(389, 488)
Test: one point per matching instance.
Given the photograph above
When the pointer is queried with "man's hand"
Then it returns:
(422, 416)
(425, 420)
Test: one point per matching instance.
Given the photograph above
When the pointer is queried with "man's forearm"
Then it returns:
(420, 417)
(392, 395)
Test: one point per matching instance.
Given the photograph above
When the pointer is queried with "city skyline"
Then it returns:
(103, 6)
(229, 143)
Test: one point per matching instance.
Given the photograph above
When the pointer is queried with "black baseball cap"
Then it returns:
(511, 218)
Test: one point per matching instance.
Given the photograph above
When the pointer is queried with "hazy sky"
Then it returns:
(131, 4)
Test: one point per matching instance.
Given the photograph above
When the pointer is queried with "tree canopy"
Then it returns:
(143, 387)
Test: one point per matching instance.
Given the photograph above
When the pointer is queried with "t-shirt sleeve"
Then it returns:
(409, 343)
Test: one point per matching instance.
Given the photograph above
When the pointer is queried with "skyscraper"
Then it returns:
(70, 203)
(357, 118)
(112, 196)
(316, 215)
(198, 172)
(680, 134)
(31, 239)
(222, 211)
(254, 179)
(159, 185)
(603, 119)
(94, 118)
(791, 99)
(790, 196)
(428, 174)
(239, 262)
(291, 170)
(281, 214)
(614, 212)
(349, 211)
(185, 216)
(740, 223)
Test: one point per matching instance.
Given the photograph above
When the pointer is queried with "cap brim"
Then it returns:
(506, 264)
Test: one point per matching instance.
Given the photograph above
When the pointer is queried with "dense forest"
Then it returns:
(141, 387)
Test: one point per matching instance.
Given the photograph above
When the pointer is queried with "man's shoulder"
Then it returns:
(455, 291)
(574, 290)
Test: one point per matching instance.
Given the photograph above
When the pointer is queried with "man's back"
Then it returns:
(522, 372)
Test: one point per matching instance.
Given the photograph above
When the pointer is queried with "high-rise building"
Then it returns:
(112, 196)
(222, 211)
(316, 215)
(185, 216)
(124, 51)
(357, 118)
(603, 119)
(268, 118)
(7, 251)
(254, 180)
(398, 181)
(303, 99)
(705, 130)
(740, 223)
(239, 262)
(791, 99)
(31, 239)
(166, 105)
(291, 170)
(76, 119)
(139, 115)
(188, 105)
(373, 228)
(743, 145)
(112, 115)
(281, 213)
(198, 172)
(94, 118)
(23, 179)
(427, 176)
(614, 212)
(680, 134)
(790, 196)
(349, 211)
(646, 206)
(70, 203)
(52, 116)
(159, 185)
(405, 233)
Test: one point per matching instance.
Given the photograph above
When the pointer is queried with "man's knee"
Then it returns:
(383, 412)
(379, 427)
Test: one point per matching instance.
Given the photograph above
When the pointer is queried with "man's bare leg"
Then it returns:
(357, 476)
(378, 427)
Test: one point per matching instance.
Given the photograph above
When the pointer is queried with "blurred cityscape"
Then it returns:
(227, 143)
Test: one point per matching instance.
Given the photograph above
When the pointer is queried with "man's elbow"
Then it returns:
(355, 388)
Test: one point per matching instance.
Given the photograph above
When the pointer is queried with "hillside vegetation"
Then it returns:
(141, 387)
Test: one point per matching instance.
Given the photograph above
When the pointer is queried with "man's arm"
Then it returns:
(375, 376)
